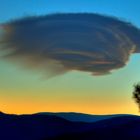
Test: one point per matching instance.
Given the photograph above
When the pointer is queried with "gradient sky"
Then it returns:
(27, 91)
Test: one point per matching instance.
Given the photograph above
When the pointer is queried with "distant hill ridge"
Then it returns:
(81, 117)
(73, 126)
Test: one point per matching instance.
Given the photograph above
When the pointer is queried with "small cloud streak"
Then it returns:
(60, 43)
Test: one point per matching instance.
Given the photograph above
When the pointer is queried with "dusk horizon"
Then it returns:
(69, 69)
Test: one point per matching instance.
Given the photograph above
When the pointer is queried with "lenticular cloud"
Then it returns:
(60, 43)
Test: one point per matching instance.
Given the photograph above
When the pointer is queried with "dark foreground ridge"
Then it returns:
(69, 126)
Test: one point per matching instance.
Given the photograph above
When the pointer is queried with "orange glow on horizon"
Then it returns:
(28, 107)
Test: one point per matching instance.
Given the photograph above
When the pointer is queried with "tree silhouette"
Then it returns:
(136, 94)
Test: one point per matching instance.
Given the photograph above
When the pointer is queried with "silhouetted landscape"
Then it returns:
(70, 56)
(75, 126)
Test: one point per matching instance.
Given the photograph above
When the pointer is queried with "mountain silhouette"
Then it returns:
(53, 126)
(80, 117)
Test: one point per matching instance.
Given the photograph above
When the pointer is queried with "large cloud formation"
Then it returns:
(59, 43)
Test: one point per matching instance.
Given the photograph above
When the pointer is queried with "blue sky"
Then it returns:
(126, 9)
(82, 90)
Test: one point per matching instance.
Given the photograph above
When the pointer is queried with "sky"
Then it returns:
(28, 91)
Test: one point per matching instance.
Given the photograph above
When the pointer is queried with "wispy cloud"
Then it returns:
(64, 42)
